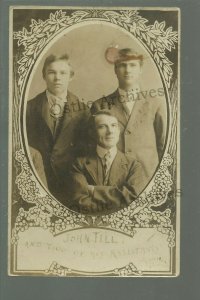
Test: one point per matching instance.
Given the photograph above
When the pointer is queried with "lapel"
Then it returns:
(136, 112)
(117, 108)
(138, 108)
(46, 114)
(94, 168)
(118, 169)
(66, 131)
(68, 114)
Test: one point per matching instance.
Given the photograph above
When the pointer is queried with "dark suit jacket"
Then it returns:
(143, 134)
(56, 153)
(38, 164)
(125, 182)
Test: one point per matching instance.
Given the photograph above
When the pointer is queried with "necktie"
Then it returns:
(126, 109)
(59, 122)
(107, 161)
(128, 99)
(123, 100)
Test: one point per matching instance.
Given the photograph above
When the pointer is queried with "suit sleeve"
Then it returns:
(160, 127)
(102, 103)
(38, 164)
(105, 198)
(32, 124)
(114, 197)
(78, 195)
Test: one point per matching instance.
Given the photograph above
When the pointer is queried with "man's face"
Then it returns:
(128, 73)
(107, 131)
(57, 77)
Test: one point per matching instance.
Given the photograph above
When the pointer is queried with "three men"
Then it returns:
(142, 120)
(53, 125)
(106, 179)
(129, 137)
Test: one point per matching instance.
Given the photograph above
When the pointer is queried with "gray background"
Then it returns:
(186, 286)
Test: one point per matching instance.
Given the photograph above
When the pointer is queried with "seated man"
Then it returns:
(106, 180)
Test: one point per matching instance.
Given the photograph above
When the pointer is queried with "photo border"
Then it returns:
(30, 192)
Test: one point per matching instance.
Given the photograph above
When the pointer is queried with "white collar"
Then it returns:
(128, 92)
(102, 151)
(52, 99)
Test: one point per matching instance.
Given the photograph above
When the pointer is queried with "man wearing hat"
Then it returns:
(142, 120)
(53, 126)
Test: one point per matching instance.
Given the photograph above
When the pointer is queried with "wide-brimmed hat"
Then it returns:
(114, 55)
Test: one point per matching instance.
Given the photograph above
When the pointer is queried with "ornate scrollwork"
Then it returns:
(58, 270)
(156, 37)
(49, 213)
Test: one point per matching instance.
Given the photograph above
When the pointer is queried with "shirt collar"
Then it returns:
(52, 99)
(102, 151)
(131, 91)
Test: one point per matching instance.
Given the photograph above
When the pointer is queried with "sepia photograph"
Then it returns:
(94, 184)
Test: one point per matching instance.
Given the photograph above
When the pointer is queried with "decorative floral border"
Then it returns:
(58, 270)
(156, 37)
(47, 212)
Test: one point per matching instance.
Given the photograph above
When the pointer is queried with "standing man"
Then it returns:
(53, 123)
(105, 180)
(142, 118)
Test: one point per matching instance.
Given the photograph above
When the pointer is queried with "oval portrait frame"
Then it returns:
(50, 212)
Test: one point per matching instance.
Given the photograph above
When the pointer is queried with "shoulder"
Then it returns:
(129, 160)
(104, 102)
(109, 96)
(34, 106)
(156, 102)
(36, 100)
(80, 163)
(126, 157)
(72, 96)
(77, 107)
(87, 158)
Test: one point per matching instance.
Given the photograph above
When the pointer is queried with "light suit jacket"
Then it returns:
(143, 133)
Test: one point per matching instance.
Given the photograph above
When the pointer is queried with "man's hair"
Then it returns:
(128, 54)
(52, 58)
(106, 112)
(91, 123)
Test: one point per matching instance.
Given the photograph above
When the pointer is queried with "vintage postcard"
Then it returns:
(94, 141)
